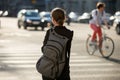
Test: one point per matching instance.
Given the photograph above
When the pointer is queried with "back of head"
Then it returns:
(58, 15)
(100, 5)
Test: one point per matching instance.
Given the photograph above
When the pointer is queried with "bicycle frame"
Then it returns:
(106, 47)
(104, 35)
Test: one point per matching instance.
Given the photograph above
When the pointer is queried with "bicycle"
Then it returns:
(106, 47)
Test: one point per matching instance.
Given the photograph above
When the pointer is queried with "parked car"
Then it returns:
(29, 18)
(73, 16)
(116, 22)
(109, 20)
(45, 17)
(3, 13)
(84, 18)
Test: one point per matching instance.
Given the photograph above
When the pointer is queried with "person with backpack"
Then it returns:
(98, 18)
(50, 46)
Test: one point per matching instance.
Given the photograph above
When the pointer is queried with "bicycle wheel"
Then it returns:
(90, 48)
(107, 47)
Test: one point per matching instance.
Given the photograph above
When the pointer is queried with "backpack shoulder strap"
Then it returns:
(96, 12)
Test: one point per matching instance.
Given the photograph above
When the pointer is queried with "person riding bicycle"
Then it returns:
(98, 18)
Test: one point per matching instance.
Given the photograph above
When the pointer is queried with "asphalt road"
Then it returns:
(20, 49)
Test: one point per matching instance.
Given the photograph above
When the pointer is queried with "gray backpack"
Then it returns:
(52, 62)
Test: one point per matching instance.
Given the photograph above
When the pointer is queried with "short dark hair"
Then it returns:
(100, 5)
(58, 14)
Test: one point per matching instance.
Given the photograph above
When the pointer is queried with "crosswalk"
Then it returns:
(21, 66)
(93, 68)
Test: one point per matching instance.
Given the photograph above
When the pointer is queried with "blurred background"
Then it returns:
(78, 6)
(23, 25)
(76, 10)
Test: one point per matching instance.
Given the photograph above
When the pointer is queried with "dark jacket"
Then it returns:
(62, 30)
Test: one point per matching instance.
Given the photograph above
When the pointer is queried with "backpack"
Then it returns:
(52, 62)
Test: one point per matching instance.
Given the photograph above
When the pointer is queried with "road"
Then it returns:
(20, 49)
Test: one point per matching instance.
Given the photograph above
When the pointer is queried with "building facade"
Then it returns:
(79, 6)
(82, 6)
(13, 6)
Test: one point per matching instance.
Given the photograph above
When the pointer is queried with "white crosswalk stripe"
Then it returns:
(22, 67)
(92, 68)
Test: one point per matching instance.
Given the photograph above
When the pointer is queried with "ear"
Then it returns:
(53, 21)
(65, 18)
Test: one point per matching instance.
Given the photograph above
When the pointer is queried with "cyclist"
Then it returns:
(98, 18)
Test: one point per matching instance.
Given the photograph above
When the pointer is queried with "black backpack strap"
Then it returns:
(96, 12)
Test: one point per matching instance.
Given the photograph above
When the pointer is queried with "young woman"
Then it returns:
(58, 18)
(98, 18)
